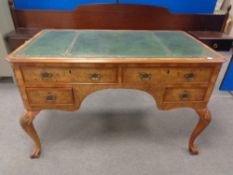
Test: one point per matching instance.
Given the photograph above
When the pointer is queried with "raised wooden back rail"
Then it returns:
(117, 16)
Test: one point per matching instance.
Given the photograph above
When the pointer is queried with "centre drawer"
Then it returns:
(43, 96)
(73, 74)
(94, 75)
(167, 75)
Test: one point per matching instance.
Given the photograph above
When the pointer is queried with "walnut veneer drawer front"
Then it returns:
(94, 75)
(80, 75)
(184, 94)
(167, 75)
(35, 74)
(43, 96)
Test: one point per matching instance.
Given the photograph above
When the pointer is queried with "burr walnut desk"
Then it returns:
(57, 69)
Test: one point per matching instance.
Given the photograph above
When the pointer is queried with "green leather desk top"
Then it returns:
(77, 44)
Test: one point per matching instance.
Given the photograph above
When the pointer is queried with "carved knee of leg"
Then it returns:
(23, 121)
(207, 117)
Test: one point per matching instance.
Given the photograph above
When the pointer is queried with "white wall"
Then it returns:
(6, 25)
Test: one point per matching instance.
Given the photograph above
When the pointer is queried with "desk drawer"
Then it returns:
(184, 94)
(80, 75)
(38, 74)
(43, 96)
(167, 75)
(219, 44)
(94, 75)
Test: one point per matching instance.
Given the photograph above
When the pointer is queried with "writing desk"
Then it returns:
(57, 69)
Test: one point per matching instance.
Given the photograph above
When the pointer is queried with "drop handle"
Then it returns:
(46, 75)
(215, 45)
(145, 76)
(189, 76)
(184, 96)
(50, 98)
(95, 77)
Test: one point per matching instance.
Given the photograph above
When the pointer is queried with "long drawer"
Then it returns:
(80, 75)
(167, 75)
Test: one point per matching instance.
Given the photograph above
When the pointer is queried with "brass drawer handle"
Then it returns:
(46, 75)
(50, 98)
(95, 77)
(184, 96)
(189, 76)
(145, 76)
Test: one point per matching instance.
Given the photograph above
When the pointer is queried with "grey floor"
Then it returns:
(116, 132)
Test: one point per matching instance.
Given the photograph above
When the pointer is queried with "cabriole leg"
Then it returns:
(26, 123)
(204, 120)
